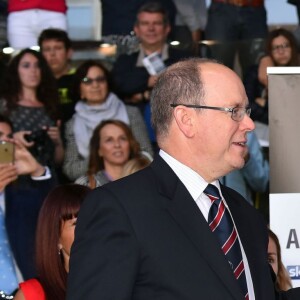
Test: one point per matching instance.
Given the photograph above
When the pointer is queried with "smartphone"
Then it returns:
(6, 152)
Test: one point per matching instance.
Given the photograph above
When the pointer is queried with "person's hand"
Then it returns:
(152, 80)
(8, 173)
(20, 137)
(25, 163)
(265, 62)
(54, 134)
(261, 101)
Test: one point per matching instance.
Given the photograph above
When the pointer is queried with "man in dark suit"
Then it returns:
(133, 81)
(146, 236)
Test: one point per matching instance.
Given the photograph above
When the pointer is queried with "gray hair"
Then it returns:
(180, 83)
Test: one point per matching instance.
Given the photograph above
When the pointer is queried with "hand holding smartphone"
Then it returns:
(7, 150)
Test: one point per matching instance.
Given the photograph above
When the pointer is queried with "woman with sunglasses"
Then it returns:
(92, 85)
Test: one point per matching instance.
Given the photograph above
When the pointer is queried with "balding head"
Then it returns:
(208, 139)
(180, 83)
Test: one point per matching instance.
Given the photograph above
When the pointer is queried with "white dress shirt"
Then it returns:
(196, 185)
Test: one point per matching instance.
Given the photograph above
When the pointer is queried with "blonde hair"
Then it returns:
(135, 164)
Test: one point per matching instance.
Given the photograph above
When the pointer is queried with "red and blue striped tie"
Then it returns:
(221, 225)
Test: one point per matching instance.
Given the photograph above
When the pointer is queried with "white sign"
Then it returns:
(285, 222)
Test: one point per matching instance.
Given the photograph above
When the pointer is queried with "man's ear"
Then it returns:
(136, 30)
(184, 118)
(69, 53)
(167, 30)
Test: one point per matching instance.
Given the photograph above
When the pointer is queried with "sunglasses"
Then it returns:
(89, 81)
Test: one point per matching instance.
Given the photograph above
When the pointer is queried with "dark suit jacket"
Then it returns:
(143, 237)
(130, 79)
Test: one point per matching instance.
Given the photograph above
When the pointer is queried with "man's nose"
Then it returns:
(248, 123)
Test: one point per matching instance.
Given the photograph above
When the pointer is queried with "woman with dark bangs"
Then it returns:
(112, 145)
(55, 236)
(29, 98)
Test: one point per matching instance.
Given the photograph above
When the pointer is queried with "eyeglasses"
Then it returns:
(282, 47)
(237, 113)
(89, 81)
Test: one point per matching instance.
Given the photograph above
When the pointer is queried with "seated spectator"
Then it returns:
(26, 19)
(29, 98)
(133, 81)
(112, 145)
(135, 164)
(97, 103)
(24, 163)
(281, 50)
(254, 176)
(283, 281)
(124, 16)
(54, 238)
(56, 48)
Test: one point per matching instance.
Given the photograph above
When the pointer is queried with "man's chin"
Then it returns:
(238, 164)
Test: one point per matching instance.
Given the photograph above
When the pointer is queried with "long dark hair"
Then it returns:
(47, 92)
(61, 204)
(294, 61)
(96, 163)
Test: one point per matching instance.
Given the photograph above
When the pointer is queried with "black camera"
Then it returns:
(38, 136)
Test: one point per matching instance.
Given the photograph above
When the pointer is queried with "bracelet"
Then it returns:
(5, 296)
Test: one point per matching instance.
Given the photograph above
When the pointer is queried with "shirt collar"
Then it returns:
(194, 183)
(141, 55)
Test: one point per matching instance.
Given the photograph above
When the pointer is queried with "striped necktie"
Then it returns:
(222, 226)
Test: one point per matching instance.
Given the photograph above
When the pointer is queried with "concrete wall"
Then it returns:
(284, 125)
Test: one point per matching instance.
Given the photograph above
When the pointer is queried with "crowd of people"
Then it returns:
(76, 128)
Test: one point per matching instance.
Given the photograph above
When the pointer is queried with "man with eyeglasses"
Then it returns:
(149, 235)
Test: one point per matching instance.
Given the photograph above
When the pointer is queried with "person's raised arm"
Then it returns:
(25, 163)
(265, 62)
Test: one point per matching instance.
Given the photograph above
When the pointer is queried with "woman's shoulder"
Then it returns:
(100, 178)
(82, 180)
(69, 124)
(32, 290)
(132, 112)
(131, 109)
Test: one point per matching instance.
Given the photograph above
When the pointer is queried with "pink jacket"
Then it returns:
(53, 5)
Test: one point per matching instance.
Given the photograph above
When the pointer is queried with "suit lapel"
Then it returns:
(191, 221)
